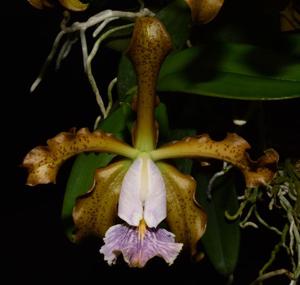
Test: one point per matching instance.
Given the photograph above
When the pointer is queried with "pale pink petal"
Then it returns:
(123, 239)
(155, 207)
(130, 208)
(143, 194)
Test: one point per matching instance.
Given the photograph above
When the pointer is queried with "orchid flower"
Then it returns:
(141, 189)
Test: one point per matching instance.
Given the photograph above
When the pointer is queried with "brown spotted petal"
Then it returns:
(149, 45)
(232, 149)
(185, 217)
(96, 211)
(41, 4)
(43, 162)
(74, 5)
(290, 17)
(262, 171)
(204, 11)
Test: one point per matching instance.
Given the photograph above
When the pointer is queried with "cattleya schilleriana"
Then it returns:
(141, 189)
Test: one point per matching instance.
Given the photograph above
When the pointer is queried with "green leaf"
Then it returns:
(116, 122)
(177, 19)
(82, 174)
(221, 240)
(235, 71)
(80, 181)
(126, 84)
(161, 115)
(293, 44)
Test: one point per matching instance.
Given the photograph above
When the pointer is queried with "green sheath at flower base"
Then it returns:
(150, 43)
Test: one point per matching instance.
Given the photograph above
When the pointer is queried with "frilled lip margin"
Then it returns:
(136, 250)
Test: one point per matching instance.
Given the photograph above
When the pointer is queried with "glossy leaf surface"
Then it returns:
(234, 71)
(221, 240)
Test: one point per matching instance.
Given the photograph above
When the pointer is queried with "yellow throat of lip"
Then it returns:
(142, 229)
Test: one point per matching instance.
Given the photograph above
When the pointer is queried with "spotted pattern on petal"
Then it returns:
(43, 162)
(232, 149)
(96, 211)
(185, 218)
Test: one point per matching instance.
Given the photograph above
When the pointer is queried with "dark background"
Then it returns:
(34, 248)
